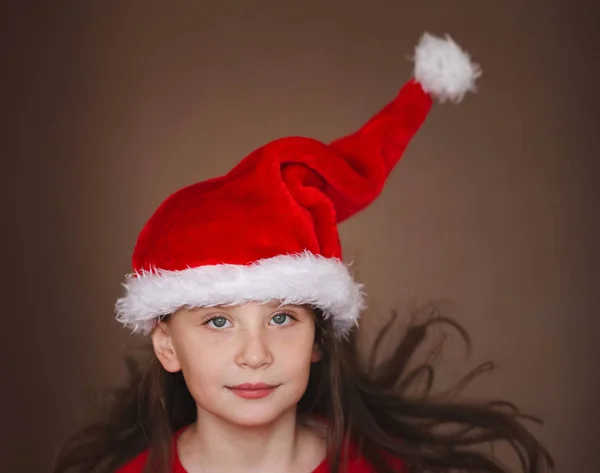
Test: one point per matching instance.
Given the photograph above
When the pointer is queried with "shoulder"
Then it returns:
(136, 465)
(358, 464)
(355, 462)
(354, 459)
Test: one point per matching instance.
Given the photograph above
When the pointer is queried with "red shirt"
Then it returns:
(356, 464)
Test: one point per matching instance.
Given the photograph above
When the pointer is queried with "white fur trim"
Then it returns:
(302, 278)
(443, 69)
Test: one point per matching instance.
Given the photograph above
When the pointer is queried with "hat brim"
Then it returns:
(304, 278)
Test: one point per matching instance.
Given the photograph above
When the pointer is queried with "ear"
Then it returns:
(316, 353)
(163, 347)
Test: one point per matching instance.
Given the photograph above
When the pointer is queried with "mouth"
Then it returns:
(252, 391)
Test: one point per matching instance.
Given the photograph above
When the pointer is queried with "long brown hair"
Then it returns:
(370, 404)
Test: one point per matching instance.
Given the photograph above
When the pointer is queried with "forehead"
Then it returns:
(269, 305)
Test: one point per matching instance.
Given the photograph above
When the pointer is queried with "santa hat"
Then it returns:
(267, 230)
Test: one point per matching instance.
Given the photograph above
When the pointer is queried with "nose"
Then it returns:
(254, 351)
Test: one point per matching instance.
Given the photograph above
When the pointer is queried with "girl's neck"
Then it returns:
(214, 445)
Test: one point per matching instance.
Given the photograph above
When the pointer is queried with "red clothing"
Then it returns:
(356, 464)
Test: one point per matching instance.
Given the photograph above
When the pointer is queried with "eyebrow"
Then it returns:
(291, 306)
(271, 304)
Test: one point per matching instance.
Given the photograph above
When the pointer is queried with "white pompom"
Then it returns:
(443, 69)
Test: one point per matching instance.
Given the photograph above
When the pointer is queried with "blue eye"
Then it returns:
(217, 322)
(282, 319)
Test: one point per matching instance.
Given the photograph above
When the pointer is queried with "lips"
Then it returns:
(250, 386)
(252, 391)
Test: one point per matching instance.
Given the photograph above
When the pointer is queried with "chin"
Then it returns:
(255, 416)
(258, 412)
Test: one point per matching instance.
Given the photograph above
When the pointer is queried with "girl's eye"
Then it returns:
(282, 319)
(217, 322)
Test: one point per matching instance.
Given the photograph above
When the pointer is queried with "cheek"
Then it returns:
(202, 369)
(294, 356)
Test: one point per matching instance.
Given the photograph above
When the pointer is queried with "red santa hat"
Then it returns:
(267, 230)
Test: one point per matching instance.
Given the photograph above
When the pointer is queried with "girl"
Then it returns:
(240, 285)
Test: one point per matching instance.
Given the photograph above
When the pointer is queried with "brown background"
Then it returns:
(113, 105)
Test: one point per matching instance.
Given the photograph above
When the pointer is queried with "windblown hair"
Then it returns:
(370, 404)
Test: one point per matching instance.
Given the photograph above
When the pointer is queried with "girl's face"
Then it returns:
(246, 364)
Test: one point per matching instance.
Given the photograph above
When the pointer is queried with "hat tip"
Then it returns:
(443, 69)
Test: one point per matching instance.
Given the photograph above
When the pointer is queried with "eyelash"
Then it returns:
(222, 317)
